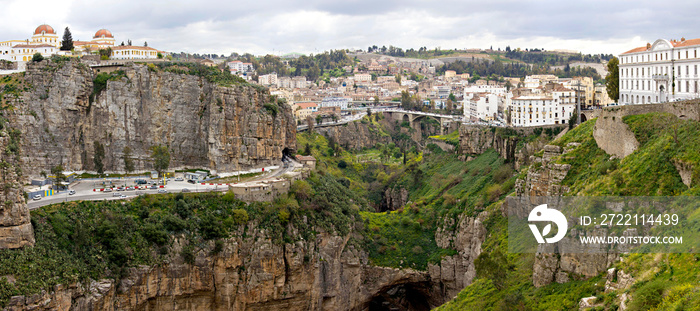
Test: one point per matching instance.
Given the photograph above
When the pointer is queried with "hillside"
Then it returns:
(666, 163)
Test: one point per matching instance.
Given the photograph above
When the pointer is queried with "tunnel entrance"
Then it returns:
(287, 153)
(404, 297)
(583, 118)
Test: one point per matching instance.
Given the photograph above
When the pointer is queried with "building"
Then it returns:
(268, 79)
(262, 191)
(363, 77)
(307, 161)
(238, 66)
(303, 110)
(341, 102)
(196, 176)
(537, 107)
(666, 70)
(449, 74)
(481, 106)
(46, 42)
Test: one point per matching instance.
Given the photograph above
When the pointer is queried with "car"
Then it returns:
(130, 188)
(179, 179)
(108, 190)
(116, 194)
(123, 196)
(154, 187)
(141, 182)
(185, 190)
(190, 181)
(121, 189)
(36, 197)
(162, 191)
(71, 192)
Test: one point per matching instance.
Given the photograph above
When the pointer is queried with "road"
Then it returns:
(84, 189)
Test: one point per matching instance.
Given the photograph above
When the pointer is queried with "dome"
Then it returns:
(44, 29)
(103, 33)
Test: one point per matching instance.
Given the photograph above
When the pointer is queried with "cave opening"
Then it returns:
(287, 153)
(404, 297)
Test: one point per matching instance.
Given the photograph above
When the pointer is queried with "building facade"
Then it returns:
(664, 71)
(341, 102)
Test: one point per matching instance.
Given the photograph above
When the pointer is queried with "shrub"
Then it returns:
(493, 192)
(342, 164)
(502, 173)
(240, 216)
(37, 57)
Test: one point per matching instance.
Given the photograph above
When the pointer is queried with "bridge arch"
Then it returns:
(406, 118)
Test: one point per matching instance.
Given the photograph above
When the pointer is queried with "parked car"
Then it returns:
(121, 189)
(185, 190)
(108, 190)
(71, 192)
(162, 191)
(36, 197)
(123, 196)
(116, 194)
(154, 187)
(179, 179)
(190, 181)
(130, 188)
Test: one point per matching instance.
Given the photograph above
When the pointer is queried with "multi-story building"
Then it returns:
(481, 106)
(238, 66)
(268, 79)
(341, 102)
(303, 110)
(541, 106)
(664, 71)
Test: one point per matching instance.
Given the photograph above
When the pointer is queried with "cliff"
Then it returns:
(15, 226)
(249, 273)
(204, 125)
(512, 144)
(356, 135)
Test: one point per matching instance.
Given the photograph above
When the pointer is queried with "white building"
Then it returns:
(493, 89)
(268, 79)
(363, 77)
(341, 102)
(660, 72)
(539, 109)
(238, 66)
(134, 52)
(481, 106)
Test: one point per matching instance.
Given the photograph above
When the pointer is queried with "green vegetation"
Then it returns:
(664, 281)
(100, 80)
(161, 158)
(451, 138)
(211, 74)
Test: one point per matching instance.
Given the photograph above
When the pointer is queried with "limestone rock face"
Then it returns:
(251, 273)
(474, 140)
(354, 135)
(456, 272)
(613, 135)
(394, 198)
(204, 125)
(544, 177)
(15, 226)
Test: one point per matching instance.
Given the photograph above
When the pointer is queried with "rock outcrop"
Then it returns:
(544, 176)
(203, 124)
(394, 198)
(15, 226)
(456, 272)
(355, 135)
(249, 273)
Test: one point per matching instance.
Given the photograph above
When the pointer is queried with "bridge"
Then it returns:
(416, 116)
(393, 114)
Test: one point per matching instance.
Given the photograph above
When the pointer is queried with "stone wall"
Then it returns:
(204, 125)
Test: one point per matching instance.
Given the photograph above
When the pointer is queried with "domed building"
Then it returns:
(103, 37)
(45, 35)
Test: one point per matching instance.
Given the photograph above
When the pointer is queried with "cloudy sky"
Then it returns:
(283, 26)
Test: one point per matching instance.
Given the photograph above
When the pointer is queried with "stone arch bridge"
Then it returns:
(412, 117)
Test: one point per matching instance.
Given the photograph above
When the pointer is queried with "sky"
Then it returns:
(283, 26)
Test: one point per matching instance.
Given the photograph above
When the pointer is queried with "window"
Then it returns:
(686, 54)
(687, 86)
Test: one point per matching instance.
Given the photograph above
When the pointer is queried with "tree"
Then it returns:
(128, 42)
(57, 173)
(105, 54)
(612, 80)
(67, 43)
(128, 160)
(369, 112)
(37, 57)
(145, 43)
(310, 124)
(319, 119)
(161, 158)
(98, 158)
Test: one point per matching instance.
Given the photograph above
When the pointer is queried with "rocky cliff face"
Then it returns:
(15, 226)
(458, 271)
(204, 125)
(355, 135)
(476, 139)
(249, 273)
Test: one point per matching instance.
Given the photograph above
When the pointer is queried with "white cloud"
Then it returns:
(312, 26)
